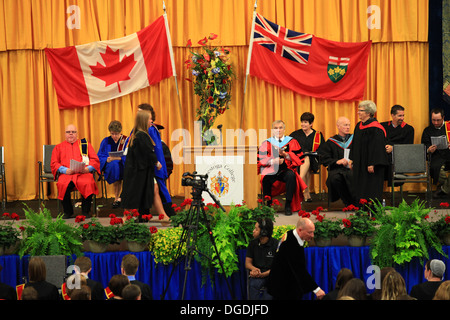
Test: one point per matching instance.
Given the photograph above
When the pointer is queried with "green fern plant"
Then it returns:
(44, 236)
(403, 234)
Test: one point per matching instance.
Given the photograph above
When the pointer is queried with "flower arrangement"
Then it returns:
(213, 81)
(404, 233)
(9, 234)
(95, 231)
(441, 227)
(325, 228)
(360, 223)
(134, 231)
(44, 236)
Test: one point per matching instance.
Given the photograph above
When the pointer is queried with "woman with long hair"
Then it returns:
(139, 175)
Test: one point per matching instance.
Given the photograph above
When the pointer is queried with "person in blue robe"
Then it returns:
(112, 166)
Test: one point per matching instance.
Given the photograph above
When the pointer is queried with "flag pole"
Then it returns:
(169, 40)
(247, 71)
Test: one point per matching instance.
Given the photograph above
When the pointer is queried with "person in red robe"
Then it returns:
(68, 180)
(278, 159)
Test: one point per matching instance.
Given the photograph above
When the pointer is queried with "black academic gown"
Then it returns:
(306, 143)
(138, 178)
(402, 134)
(340, 178)
(439, 157)
(368, 149)
(289, 278)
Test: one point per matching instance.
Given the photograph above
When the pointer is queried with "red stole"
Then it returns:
(374, 124)
(316, 142)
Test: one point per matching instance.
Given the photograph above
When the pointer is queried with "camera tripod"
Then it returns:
(189, 237)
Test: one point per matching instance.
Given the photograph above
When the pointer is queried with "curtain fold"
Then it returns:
(323, 263)
(29, 114)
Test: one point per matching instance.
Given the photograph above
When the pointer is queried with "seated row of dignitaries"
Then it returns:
(360, 159)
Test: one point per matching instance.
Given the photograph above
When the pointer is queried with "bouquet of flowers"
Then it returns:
(213, 81)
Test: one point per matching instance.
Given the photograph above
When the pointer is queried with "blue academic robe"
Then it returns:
(112, 171)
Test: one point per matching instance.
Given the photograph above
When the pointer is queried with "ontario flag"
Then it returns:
(307, 64)
(99, 71)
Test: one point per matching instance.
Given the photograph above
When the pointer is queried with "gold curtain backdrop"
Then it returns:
(29, 114)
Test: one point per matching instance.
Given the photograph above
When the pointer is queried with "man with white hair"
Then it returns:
(334, 155)
(68, 179)
(434, 271)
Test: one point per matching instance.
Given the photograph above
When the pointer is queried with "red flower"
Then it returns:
(304, 214)
(210, 100)
(275, 202)
(347, 223)
(447, 219)
(22, 228)
(80, 218)
(6, 214)
(212, 36)
(86, 226)
(267, 198)
(161, 216)
(203, 41)
(153, 229)
(363, 201)
(320, 218)
(112, 215)
(444, 204)
(15, 216)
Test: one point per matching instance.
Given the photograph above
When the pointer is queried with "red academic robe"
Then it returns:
(266, 153)
(84, 182)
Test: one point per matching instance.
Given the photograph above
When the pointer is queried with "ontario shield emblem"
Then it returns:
(337, 68)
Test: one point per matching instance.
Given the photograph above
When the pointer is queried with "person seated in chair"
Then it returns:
(332, 153)
(278, 159)
(397, 132)
(309, 140)
(68, 180)
(112, 167)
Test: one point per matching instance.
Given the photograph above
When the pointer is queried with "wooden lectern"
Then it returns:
(251, 179)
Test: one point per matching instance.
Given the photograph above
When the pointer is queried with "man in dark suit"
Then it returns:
(129, 268)
(85, 265)
(289, 279)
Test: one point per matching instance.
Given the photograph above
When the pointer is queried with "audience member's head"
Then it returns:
(131, 292)
(443, 292)
(117, 283)
(354, 288)
(393, 286)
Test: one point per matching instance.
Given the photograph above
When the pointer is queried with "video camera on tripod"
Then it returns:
(197, 181)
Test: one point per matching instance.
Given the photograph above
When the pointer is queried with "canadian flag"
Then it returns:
(99, 71)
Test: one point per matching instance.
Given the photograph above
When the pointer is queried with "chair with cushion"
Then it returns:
(409, 165)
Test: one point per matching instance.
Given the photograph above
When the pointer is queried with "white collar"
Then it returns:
(299, 240)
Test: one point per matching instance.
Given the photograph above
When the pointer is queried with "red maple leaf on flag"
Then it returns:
(114, 70)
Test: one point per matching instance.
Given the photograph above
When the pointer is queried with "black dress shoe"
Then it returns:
(67, 216)
(288, 211)
(439, 194)
(308, 200)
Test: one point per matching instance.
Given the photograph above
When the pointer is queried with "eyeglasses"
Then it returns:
(69, 132)
(359, 110)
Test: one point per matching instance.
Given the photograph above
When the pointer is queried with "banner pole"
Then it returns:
(247, 72)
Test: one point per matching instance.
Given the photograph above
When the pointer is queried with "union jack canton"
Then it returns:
(289, 44)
